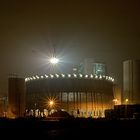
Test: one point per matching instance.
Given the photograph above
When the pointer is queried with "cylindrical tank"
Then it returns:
(86, 95)
(16, 96)
(131, 82)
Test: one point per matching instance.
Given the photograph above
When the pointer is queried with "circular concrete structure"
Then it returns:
(86, 95)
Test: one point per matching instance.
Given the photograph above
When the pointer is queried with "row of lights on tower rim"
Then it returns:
(69, 76)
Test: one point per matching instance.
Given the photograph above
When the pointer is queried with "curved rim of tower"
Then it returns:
(69, 76)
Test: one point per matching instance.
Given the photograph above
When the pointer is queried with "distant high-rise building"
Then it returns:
(91, 67)
(99, 69)
(16, 97)
(131, 82)
(86, 67)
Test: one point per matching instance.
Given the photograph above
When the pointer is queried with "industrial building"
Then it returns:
(130, 106)
(131, 82)
(78, 94)
(16, 97)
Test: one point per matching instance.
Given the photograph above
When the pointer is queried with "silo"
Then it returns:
(16, 96)
(131, 82)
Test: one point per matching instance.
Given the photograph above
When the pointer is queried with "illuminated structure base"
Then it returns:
(85, 104)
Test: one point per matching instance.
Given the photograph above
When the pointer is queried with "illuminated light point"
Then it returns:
(112, 80)
(63, 75)
(126, 100)
(26, 79)
(46, 76)
(74, 69)
(51, 103)
(57, 75)
(91, 76)
(69, 75)
(34, 77)
(51, 75)
(37, 76)
(54, 60)
(74, 75)
(100, 77)
(96, 76)
(42, 77)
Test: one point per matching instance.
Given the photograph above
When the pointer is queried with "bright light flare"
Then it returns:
(126, 100)
(51, 103)
(54, 60)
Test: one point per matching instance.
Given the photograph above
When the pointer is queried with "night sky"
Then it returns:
(107, 31)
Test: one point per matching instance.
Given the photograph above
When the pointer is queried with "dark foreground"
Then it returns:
(69, 129)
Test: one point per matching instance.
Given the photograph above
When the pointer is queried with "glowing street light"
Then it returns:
(126, 100)
(51, 103)
(53, 60)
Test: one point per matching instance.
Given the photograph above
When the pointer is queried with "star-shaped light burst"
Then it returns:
(54, 60)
